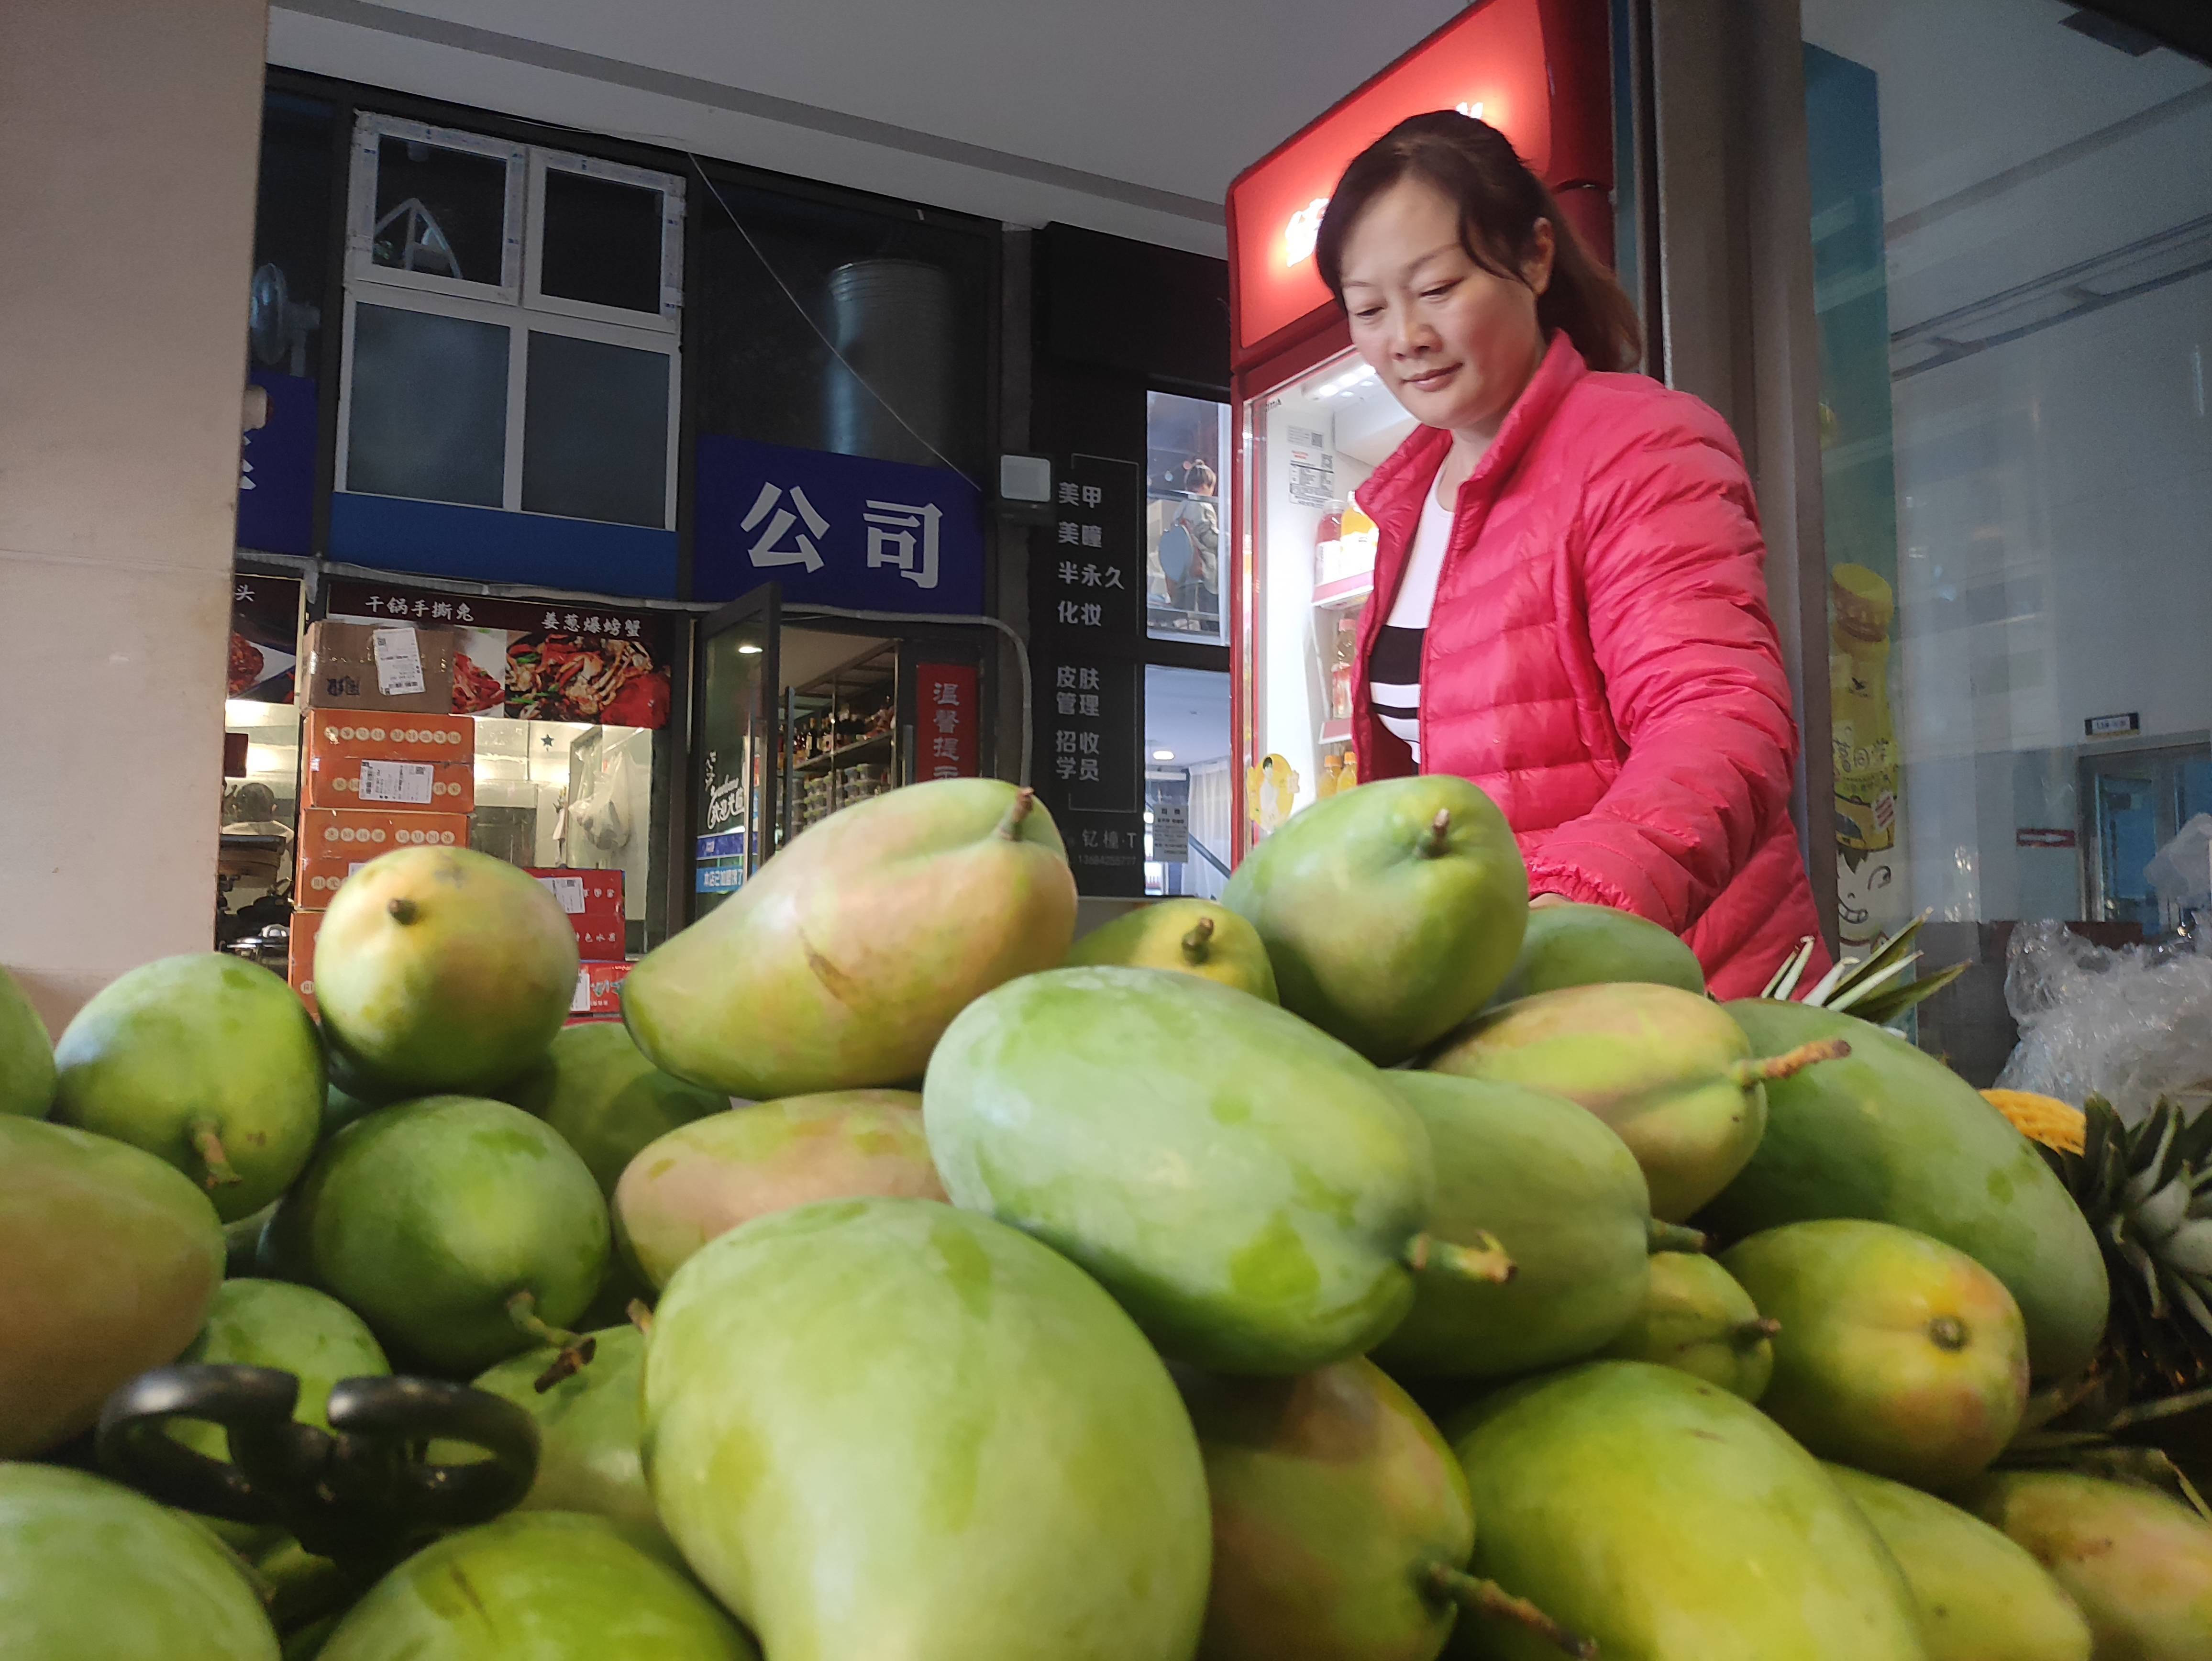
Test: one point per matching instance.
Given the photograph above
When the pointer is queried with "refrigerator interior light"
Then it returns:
(1163, 755)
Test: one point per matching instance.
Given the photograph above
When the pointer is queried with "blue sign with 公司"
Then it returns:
(719, 880)
(838, 530)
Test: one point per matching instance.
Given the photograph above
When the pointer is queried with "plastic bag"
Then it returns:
(2131, 1025)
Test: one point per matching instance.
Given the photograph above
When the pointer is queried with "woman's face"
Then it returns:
(1454, 342)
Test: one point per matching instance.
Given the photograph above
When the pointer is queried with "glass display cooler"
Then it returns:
(1311, 422)
(797, 717)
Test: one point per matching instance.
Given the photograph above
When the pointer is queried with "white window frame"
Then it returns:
(516, 303)
(668, 187)
(369, 133)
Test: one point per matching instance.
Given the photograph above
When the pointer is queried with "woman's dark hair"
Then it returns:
(1499, 203)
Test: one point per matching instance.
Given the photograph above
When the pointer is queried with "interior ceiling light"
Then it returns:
(1163, 755)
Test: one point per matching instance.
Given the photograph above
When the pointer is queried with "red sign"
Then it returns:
(945, 699)
(1536, 69)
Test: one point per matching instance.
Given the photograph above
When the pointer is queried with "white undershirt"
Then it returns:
(1394, 667)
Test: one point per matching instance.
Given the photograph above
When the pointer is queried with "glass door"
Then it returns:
(1313, 441)
(733, 783)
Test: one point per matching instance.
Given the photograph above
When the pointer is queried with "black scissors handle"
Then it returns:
(363, 1489)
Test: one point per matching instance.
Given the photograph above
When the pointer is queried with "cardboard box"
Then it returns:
(335, 842)
(599, 989)
(389, 667)
(300, 966)
(414, 763)
(595, 902)
(583, 893)
(357, 735)
(413, 787)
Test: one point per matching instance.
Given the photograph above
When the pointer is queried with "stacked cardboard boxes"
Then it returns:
(383, 766)
(595, 905)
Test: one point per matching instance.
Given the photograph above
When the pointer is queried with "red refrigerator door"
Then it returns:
(1309, 425)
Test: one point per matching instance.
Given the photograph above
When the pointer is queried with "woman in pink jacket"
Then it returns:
(1568, 605)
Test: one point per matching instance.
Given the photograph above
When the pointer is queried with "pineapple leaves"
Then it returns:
(1874, 989)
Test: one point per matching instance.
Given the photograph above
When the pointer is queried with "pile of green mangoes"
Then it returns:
(1366, 1267)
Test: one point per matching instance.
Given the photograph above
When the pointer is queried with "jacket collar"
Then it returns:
(1399, 486)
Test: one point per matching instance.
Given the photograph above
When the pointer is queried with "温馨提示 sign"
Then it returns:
(837, 530)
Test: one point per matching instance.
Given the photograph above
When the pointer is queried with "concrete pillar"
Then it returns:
(129, 133)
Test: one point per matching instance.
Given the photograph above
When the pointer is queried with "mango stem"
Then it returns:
(1432, 839)
(575, 1352)
(1480, 1596)
(1766, 1070)
(640, 1316)
(1750, 1335)
(1010, 826)
(207, 1142)
(1481, 1259)
(1195, 944)
(1674, 1237)
(402, 910)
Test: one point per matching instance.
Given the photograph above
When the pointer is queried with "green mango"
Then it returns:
(839, 964)
(1192, 937)
(1564, 1196)
(1981, 1598)
(1896, 1353)
(607, 1101)
(112, 1258)
(294, 1329)
(27, 1055)
(1670, 1521)
(442, 970)
(1251, 1190)
(206, 1061)
(588, 1428)
(1891, 1135)
(461, 1230)
(1390, 912)
(536, 1586)
(1696, 1317)
(1569, 944)
(2137, 1564)
(1668, 1070)
(882, 1427)
(1341, 1522)
(90, 1571)
(705, 1178)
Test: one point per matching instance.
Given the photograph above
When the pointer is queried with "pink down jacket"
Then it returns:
(1600, 661)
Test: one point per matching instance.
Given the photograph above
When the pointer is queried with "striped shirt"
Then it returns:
(1393, 671)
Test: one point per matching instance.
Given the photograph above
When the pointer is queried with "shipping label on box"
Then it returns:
(583, 893)
(438, 786)
(336, 841)
(383, 667)
(599, 989)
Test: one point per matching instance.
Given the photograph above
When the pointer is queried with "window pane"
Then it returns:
(2012, 227)
(601, 242)
(440, 210)
(595, 431)
(1185, 442)
(764, 370)
(430, 407)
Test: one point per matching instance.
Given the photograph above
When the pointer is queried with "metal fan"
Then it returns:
(276, 325)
